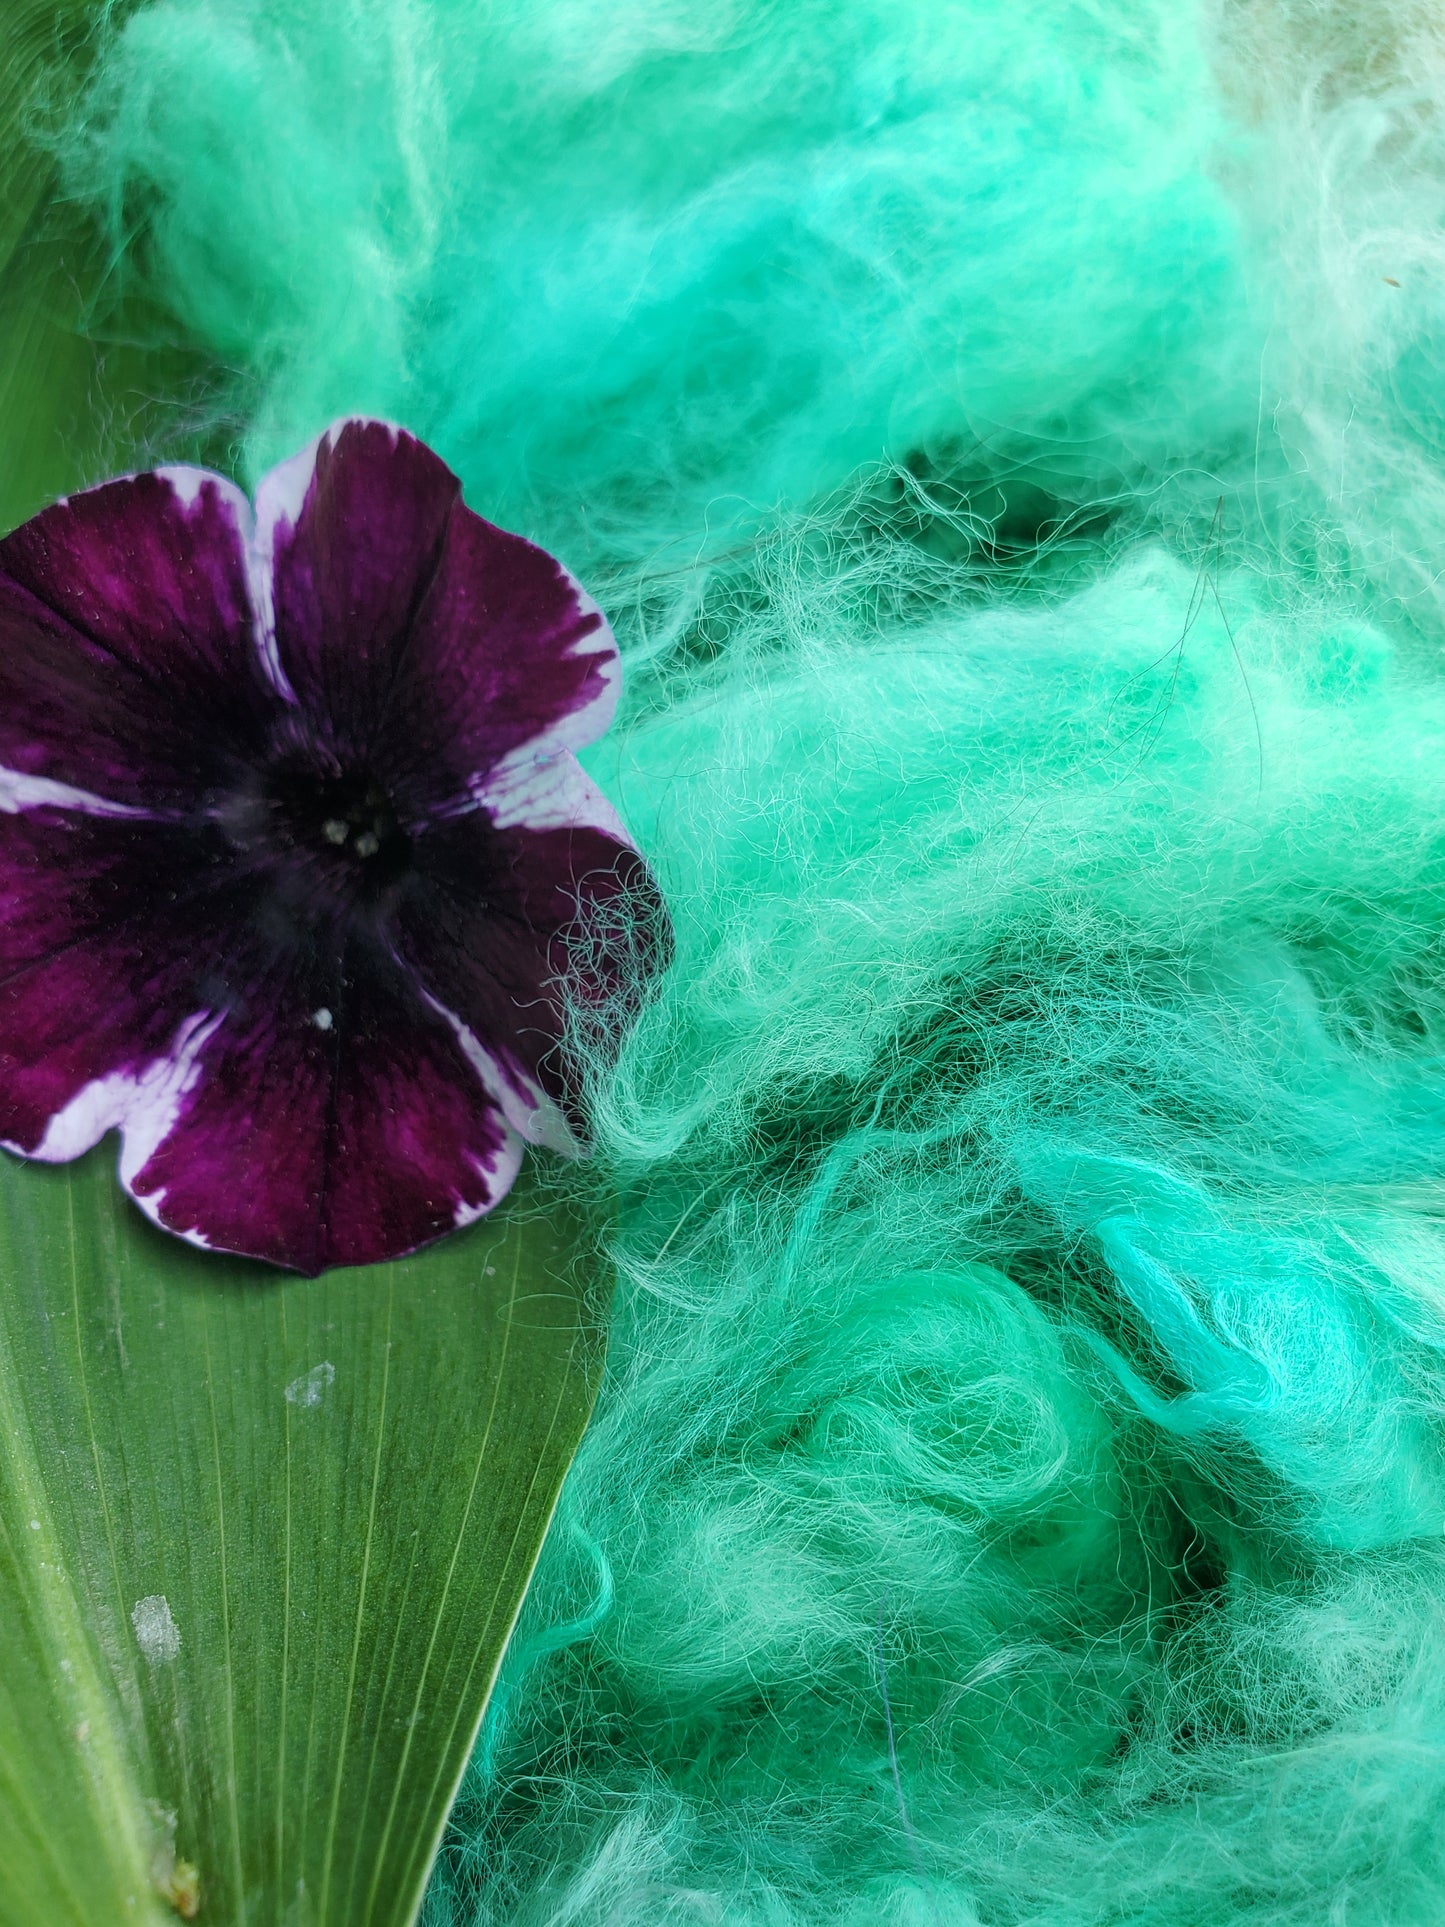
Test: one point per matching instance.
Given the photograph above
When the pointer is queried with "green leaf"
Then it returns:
(50, 264)
(78, 400)
(262, 1541)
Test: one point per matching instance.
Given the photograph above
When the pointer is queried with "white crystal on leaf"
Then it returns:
(308, 1389)
(156, 1632)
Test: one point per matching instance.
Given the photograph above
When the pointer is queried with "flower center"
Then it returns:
(345, 821)
(349, 816)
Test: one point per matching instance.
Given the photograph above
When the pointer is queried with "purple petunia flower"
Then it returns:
(297, 866)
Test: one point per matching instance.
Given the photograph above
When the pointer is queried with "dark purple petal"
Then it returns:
(128, 662)
(506, 928)
(420, 638)
(112, 933)
(328, 1134)
(301, 884)
(511, 651)
(348, 534)
(271, 1100)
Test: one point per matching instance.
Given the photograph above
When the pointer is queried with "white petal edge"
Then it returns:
(20, 792)
(525, 1106)
(579, 727)
(501, 1175)
(187, 484)
(144, 1106)
(542, 787)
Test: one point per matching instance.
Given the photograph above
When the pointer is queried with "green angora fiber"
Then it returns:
(1008, 439)
(643, 271)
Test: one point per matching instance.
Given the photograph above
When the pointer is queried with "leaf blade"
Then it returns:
(145, 1422)
(275, 1453)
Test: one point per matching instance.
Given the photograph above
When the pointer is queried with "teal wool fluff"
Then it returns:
(1010, 443)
